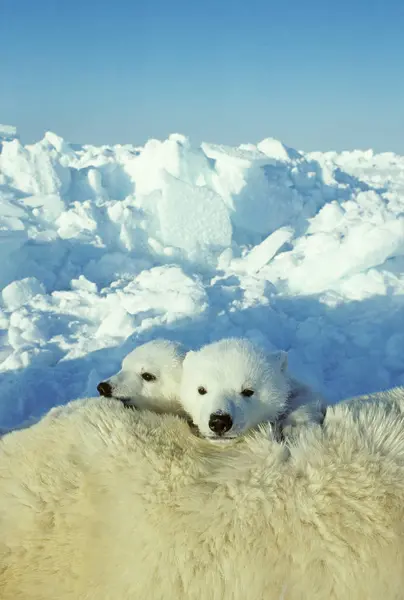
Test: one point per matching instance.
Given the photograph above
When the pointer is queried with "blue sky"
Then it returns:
(315, 74)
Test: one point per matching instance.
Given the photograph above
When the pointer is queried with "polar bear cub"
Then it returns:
(231, 386)
(150, 378)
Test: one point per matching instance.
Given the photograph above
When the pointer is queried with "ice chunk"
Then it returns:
(193, 219)
(18, 293)
(174, 156)
(264, 194)
(45, 207)
(33, 169)
(275, 149)
(78, 222)
(263, 253)
(164, 290)
(330, 258)
(117, 324)
(59, 144)
(84, 284)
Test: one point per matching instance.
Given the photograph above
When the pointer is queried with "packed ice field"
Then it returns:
(104, 248)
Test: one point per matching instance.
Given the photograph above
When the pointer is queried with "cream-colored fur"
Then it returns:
(106, 503)
(305, 407)
(390, 399)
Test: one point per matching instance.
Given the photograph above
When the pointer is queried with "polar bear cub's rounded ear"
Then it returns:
(280, 358)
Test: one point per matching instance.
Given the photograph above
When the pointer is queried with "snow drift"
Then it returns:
(103, 248)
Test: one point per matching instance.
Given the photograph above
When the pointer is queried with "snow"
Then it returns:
(104, 248)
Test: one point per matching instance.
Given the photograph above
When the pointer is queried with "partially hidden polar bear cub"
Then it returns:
(150, 378)
(225, 388)
(231, 386)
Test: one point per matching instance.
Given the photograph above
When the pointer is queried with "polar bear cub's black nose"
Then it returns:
(220, 423)
(104, 389)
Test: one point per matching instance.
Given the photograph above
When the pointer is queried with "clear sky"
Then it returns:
(316, 74)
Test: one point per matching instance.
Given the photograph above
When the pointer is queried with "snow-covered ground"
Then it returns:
(104, 248)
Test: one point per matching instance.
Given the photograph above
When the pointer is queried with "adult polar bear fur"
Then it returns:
(104, 502)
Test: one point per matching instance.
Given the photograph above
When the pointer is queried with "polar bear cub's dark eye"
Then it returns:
(148, 377)
(247, 393)
(202, 391)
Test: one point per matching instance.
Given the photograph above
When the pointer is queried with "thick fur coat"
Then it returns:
(102, 502)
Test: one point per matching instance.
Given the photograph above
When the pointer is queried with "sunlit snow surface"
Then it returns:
(105, 248)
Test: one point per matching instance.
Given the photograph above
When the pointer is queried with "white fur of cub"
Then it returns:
(231, 386)
(150, 377)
